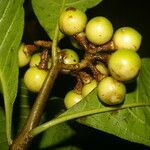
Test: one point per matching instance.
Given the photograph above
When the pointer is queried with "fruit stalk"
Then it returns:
(92, 48)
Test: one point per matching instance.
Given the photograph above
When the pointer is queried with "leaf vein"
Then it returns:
(5, 11)
(134, 115)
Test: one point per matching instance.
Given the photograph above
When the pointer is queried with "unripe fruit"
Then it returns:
(69, 57)
(34, 78)
(111, 91)
(35, 60)
(99, 30)
(124, 64)
(102, 68)
(23, 56)
(127, 38)
(71, 99)
(87, 88)
(72, 21)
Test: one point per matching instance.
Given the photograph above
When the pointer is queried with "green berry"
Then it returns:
(70, 56)
(127, 38)
(23, 56)
(34, 78)
(35, 60)
(87, 88)
(124, 64)
(99, 30)
(102, 68)
(111, 91)
(71, 99)
(72, 21)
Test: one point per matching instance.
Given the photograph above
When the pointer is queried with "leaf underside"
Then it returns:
(130, 120)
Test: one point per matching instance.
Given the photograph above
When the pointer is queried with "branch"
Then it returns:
(88, 58)
(63, 118)
(44, 60)
(91, 48)
(44, 44)
(23, 140)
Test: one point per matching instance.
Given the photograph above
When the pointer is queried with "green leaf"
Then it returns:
(3, 139)
(129, 121)
(56, 135)
(11, 29)
(132, 124)
(47, 11)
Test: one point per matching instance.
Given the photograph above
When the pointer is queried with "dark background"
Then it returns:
(134, 13)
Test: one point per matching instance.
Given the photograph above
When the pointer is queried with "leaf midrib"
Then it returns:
(66, 117)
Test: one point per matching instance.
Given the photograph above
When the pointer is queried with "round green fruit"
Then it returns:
(127, 38)
(99, 30)
(111, 91)
(23, 56)
(124, 65)
(102, 68)
(87, 88)
(71, 99)
(72, 21)
(69, 57)
(34, 78)
(35, 60)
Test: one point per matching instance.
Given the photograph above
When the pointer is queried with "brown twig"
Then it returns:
(44, 60)
(44, 44)
(91, 48)
(96, 74)
(30, 49)
(82, 64)
(85, 77)
(79, 85)
(104, 57)
(88, 58)
(22, 141)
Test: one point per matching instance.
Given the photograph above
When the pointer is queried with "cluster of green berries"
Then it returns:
(34, 76)
(123, 65)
